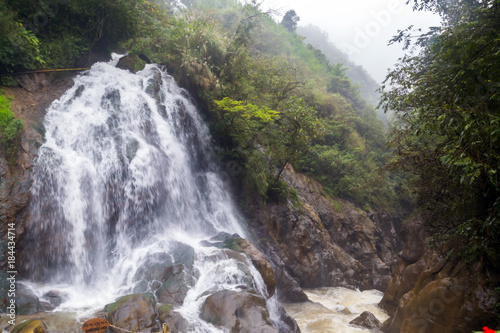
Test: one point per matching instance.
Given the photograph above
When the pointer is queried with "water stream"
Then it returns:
(332, 309)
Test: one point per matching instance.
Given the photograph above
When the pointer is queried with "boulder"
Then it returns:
(238, 244)
(30, 326)
(174, 320)
(289, 290)
(131, 62)
(366, 319)
(54, 297)
(26, 300)
(242, 312)
(156, 266)
(132, 312)
(175, 286)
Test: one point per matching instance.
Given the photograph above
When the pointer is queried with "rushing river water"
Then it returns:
(332, 309)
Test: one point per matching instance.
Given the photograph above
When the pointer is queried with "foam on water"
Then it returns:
(332, 309)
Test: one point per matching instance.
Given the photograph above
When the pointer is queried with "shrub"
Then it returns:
(10, 129)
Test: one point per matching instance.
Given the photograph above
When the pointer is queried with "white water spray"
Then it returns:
(124, 178)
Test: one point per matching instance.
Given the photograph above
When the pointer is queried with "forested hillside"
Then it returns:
(357, 74)
(272, 99)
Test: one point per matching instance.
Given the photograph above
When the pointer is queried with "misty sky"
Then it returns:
(361, 28)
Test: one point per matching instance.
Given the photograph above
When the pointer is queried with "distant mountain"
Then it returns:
(358, 75)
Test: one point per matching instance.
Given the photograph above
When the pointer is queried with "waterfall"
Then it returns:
(125, 179)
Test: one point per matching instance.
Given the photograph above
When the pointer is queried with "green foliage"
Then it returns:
(8, 81)
(19, 48)
(267, 140)
(296, 128)
(244, 122)
(57, 33)
(10, 129)
(268, 94)
(260, 66)
(447, 134)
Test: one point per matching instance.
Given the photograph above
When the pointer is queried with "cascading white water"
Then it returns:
(125, 177)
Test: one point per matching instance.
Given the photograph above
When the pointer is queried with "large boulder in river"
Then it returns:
(174, 320)
(167, 275)
(132, 312)
(242, 312)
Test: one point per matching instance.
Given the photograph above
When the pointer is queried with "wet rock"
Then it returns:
(235, 243)
(168, 275)
(46, 306)
(30, 326)
(174, 320)
(366, 319)
(289, 290)
(237, 311)
(132, 312)
(416, 244)
(26, 300)
(145, 58)
(55, 297)
(131, 62)
(131, 149)
(345, 311)
(430, 294)
(140, 287)
(175, 286)
(29, 103)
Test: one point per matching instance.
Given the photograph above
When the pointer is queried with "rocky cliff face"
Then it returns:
(29, 103)
(431, 294)
(320, 241)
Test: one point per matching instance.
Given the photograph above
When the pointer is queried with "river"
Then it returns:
(332, 309)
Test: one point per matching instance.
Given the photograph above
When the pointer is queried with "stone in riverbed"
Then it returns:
(175, 286)
(26, 301)
(174, 320)
(55, 297)
(132, 312)
(366, 319)
(236, 243)
(242, 312)
(131, 62)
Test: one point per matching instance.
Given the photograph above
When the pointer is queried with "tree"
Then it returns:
(447, 103)
(290, 20)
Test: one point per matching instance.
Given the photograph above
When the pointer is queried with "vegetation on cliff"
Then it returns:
(447, 133)
(271, 99)
(10, 129)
